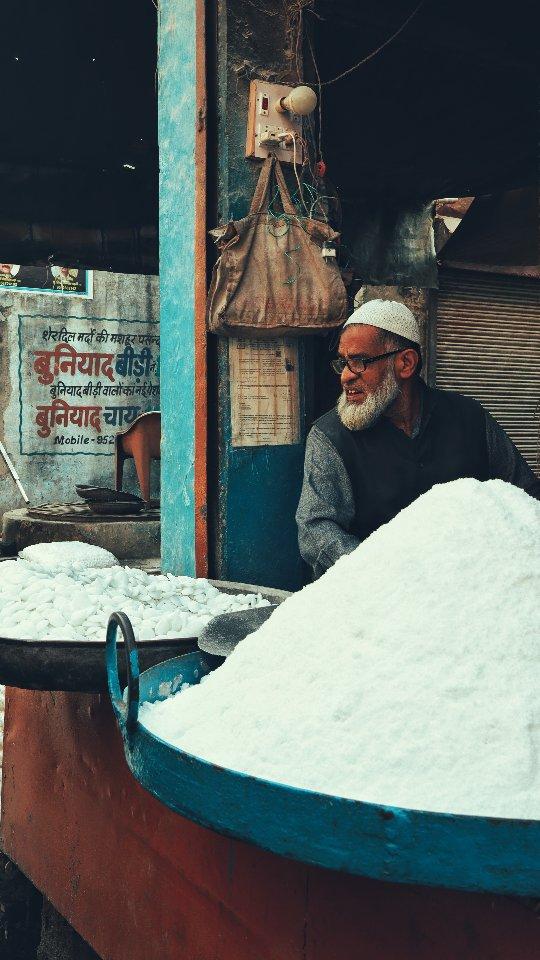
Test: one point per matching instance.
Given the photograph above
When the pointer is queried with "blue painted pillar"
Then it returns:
(179, 32)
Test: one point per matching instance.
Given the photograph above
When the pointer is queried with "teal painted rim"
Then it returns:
(479, 854)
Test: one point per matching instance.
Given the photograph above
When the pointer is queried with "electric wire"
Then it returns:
(345, 73)
(319, 85)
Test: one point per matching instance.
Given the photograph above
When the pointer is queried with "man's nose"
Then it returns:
(348, 376)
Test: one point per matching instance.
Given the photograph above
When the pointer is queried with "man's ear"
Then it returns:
(407, 363)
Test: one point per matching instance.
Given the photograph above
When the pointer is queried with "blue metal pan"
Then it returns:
(382, 842)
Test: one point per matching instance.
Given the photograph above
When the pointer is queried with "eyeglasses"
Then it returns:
(357, 364)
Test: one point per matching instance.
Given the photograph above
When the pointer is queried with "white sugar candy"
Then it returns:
(68, 591)
(408, 675)
(68, 555)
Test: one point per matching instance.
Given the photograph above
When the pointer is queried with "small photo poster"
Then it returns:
(55, 280)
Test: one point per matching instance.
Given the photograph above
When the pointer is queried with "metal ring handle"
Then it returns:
(127, 712)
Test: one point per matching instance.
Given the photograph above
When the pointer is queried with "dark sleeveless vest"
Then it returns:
(388, 469)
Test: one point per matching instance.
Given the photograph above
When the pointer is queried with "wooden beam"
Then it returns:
(201, 411)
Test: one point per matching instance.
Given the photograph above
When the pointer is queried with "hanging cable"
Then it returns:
(326, 83)
(294, 19)
(319, 97)
(300, 192)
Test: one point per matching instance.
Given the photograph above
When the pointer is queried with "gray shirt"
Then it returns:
(327, 508)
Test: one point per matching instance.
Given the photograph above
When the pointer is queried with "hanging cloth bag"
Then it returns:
(271, 278)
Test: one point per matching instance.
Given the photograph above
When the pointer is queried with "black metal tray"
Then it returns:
(76, 665)
(105, 494)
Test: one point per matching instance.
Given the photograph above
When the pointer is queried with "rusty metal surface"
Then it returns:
(139, 882)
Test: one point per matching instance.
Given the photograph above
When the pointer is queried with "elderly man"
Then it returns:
(390, 438)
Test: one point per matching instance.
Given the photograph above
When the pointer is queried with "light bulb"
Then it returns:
(300, 101)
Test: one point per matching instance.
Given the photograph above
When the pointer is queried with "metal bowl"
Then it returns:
(78, 665)
(482, 854)
(105, 494)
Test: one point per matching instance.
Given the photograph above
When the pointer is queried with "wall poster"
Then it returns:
(82, 381)
(265, 402)
(60, 281)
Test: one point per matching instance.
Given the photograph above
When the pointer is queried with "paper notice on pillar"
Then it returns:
(82, 381)
(265, 405)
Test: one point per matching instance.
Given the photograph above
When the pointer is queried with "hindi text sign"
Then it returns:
(82, 381)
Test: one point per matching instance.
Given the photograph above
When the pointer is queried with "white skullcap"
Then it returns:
(389, 315)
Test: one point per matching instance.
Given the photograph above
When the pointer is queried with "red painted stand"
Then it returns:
(138, 882)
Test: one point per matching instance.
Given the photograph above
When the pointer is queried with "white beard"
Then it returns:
(359, 416)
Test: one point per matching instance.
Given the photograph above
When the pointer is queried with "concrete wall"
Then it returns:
(126, 299)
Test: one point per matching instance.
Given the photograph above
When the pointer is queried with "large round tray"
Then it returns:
(382, 842)
(79, 665)
(73, 665)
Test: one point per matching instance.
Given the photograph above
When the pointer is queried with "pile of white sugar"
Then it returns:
(67, 591)
(408, 675)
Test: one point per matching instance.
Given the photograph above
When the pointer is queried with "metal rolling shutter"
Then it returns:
(488, 346)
